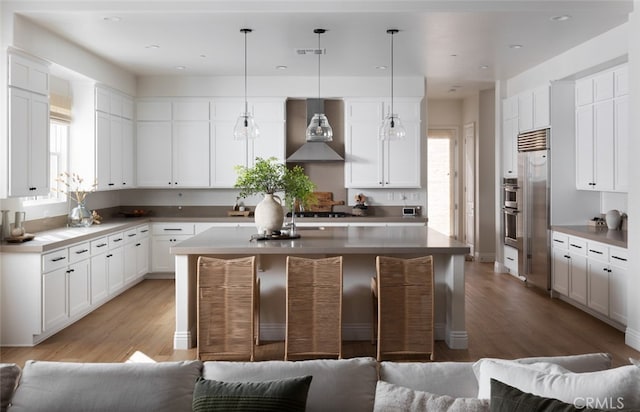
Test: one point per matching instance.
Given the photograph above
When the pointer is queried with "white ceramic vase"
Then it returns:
(613, 219)
(269, 215)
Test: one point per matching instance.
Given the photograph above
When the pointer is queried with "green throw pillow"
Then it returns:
(277, 395)
(505, 398)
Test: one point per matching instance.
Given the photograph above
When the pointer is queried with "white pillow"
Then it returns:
(620, 385)
(391, 397)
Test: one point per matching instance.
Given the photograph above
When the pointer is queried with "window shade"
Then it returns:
(60, 107)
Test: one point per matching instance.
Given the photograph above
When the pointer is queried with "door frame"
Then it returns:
(454, 131)
(471, 126)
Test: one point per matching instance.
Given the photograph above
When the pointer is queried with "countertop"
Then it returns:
(596, 233)
(64, 236)
(331, 240)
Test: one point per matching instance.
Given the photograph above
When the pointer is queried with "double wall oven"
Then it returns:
(510, 210)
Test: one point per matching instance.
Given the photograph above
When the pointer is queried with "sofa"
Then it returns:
(357, 384)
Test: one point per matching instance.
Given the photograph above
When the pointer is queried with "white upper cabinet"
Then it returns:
(602, 135)
(114, 139)
(173, 143)
(533, 109)
(227, 152)
(372, 163)
(510, 137)
(28, 143)
(28, 74)
(28, 118)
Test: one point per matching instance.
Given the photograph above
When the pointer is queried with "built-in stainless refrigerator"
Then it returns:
(533, 174)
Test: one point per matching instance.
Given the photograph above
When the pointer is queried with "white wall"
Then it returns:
(445, 113)
(485, 178)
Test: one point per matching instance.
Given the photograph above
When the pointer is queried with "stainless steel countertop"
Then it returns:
(596, 233)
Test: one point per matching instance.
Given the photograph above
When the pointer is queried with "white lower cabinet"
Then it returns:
(511, 259)
(54, 289)
(164, 236)
(591, 274)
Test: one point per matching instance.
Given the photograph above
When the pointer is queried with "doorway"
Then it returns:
(469, 136)
(442, 176)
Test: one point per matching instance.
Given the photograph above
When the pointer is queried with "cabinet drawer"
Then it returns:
(598, 251)
(115, 240)
(79, 252)
(560, 241)
(577, 245)
(130, 235)
(99, 245)
(511, 259)
(143, 231)
(55, 260)
(619, 257)
(173, 229)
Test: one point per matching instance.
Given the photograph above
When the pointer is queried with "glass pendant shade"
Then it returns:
(392, 128)
(319, 129)
(246, 127)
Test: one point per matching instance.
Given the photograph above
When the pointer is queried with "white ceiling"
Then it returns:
(204, 36)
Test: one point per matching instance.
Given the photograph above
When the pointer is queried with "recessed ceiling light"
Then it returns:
(452, 90)
(484, 67)
(563, 17)
(516, 46)
(381, 67)
(112, 18)
(456, 86)
(281, 67)
(152, 46)
(180, 67)
(203, 56)
(453, 55)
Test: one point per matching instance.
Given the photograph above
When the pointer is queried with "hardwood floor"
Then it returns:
(504, 319)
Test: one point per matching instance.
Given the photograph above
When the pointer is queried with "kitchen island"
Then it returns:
(358, 245)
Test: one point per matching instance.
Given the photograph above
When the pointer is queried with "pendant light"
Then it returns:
(391, 128)
(246, 127)
(319, 129)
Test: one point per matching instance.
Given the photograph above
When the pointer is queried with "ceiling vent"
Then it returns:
(311, 51)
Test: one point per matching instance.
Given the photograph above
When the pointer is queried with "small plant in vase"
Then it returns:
(76, 190)
(268, 177)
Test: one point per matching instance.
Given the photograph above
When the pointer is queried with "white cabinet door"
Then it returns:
(603, 120)
(130, 264)
(28, 74)
(128, 154)
(584, 148)
(28, 143)
(226, 154)
(621, 144)
(191, 154)
(578, 278)
(99, 290)
(115, 153)
(603, 86)
(363, 156)
(103, 151)
(54, 295)
(271, 142)
(154, 155)
(584, 92)
(79, 292)
(560, 264)
(598, 276)
(525, 111)
(115, 270)
(541, 107)
(510, 147)
(154, 111)
(142, 256)
(402, 159)
(161, 259)
(618, 293)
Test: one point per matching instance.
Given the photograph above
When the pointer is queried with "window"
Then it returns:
(58, 163)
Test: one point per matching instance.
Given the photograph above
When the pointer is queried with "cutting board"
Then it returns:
(324, 202)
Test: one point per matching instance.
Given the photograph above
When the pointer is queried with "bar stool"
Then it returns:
(403, 306)
(314, 308)
(228, 308)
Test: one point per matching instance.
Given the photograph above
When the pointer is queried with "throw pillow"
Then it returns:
(391, 397)
(277, 395)
(505, 398)
(635, 362)
(618, 387)
(9, 374)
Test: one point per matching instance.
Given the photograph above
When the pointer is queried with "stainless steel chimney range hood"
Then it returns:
(314, 151)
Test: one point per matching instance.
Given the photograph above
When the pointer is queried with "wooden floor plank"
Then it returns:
(504, 319)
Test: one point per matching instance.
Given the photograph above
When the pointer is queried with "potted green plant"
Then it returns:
(268, 177)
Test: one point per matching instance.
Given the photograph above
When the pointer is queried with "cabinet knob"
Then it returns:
(111, 184)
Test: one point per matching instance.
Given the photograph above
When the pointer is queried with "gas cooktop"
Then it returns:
(320, 214)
